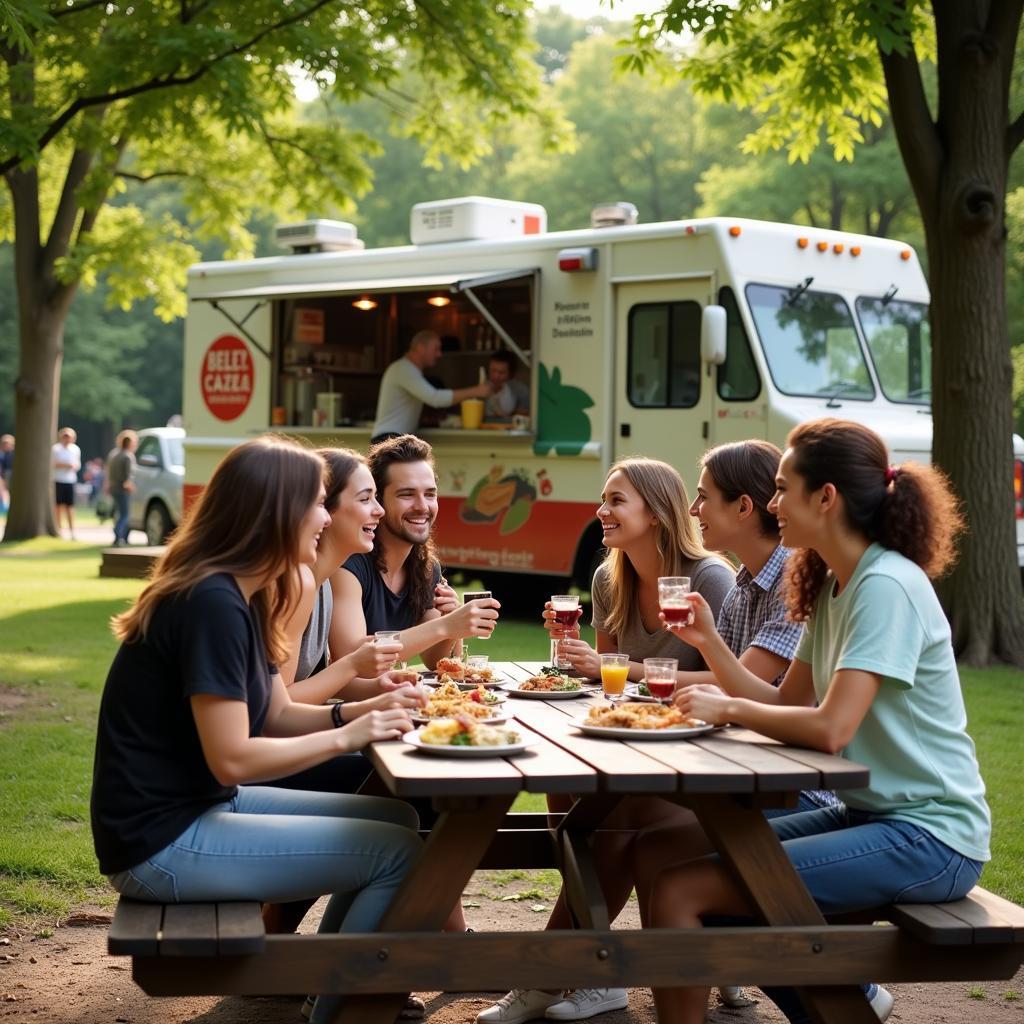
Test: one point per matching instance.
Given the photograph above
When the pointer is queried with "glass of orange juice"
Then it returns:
(614, 672)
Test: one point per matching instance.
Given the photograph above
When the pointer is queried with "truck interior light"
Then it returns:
(823, 247)
(735, 231)
(904, 254)
(365, 304)
(801, 243)
(439, 300)
(837, 248)
(854, 250)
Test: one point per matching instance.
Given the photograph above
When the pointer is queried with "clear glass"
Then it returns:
(810, 343)
(614, 673)
(660, 677)
(390, 636)
(899, 338)
(567, 613)
(672, 599)
(473, 595)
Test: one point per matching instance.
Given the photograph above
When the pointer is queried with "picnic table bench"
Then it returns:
(726, 778)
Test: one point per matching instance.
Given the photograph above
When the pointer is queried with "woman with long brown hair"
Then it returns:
(194, 713)
(874, 679)
(648, 531)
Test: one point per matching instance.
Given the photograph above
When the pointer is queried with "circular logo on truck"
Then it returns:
(226, 377)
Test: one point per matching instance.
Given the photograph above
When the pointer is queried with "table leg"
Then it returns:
(575, 835)
(746, 842)
(450, 855)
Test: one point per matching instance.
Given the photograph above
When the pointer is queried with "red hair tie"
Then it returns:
(891, 472)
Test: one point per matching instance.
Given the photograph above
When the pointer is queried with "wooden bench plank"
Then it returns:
(932, 923)
(1000, 907)
(981, 918)
(135, 929)
(240, 930)
(189, 929)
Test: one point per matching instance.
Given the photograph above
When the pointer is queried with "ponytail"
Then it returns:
(908, 508)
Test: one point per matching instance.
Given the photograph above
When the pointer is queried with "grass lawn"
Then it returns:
(54, 611)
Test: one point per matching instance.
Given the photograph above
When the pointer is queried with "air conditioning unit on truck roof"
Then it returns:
(318, 236)
(474, 218)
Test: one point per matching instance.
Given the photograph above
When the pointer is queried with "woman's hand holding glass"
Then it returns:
(584, 660)
(374, 657)
(706, 702)
(700, 629)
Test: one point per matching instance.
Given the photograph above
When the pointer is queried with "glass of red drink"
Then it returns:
(660, 677)
(567, 613)
(673, 592)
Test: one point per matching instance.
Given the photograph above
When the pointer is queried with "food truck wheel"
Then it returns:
(158, 523)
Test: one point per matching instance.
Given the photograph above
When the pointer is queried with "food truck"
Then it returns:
(633, 339)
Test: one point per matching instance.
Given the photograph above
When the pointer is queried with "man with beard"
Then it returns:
(399, 584)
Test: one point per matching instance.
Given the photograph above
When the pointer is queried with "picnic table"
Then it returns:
(727, 778)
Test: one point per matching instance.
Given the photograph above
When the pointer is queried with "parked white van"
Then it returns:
(633, 339)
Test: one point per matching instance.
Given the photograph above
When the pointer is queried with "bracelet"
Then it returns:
(336, 714)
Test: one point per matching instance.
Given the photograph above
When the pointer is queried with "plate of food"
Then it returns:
(640, 722)
(551, 684)
(467, 677)
(462, 737)
(638, 692)
(447, 700)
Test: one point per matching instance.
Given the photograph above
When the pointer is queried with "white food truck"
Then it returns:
(632, 339)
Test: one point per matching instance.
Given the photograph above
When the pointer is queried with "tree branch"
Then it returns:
(1014, 135)
(56, 11)
(1003, 26)
(145, 178)
(86, 102)
(916, 133)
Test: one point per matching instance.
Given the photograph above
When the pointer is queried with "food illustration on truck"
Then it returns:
(612, 341)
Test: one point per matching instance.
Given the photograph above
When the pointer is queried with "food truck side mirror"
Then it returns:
(712, 335)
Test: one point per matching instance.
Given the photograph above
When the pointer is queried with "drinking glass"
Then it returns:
(672, 599)
(390, 636)
(475, 595)
(660, 677)
(567, 613)
(614, 672)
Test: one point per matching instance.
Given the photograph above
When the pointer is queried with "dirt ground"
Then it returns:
(68, 978)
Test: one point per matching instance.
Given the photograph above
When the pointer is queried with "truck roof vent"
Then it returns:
(317, 236)
(474, 218)
(613, 215)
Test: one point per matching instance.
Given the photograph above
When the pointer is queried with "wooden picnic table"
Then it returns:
(727, 778)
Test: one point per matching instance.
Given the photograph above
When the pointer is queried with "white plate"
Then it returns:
(494, 719)
(632, 693)
(615, 732)
(413, 739)
(512, 689)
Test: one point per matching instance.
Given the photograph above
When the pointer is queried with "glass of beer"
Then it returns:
(567, 613)
(475, 595)
(614, 672)
(660, 677)
(672, 599)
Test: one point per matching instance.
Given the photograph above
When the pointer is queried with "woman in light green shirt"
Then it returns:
(874, 679)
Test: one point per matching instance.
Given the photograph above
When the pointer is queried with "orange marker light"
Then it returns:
(854, 250)
(838, 247)
(904, 254)
(735, 231)
(801, 243)
(823, 247)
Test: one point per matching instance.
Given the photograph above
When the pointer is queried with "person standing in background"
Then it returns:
(511, 397)
(66, 460)
(120, 468)
(404, 390)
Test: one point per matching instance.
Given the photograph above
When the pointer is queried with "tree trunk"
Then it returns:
(971, 371)
(37, 394)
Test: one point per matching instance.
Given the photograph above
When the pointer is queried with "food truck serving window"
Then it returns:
(664, 354)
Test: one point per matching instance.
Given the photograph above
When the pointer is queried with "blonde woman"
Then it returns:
(648, 531)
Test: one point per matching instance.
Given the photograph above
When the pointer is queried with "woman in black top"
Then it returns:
(194, 712)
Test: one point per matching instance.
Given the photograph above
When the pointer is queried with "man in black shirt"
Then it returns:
(399, 584)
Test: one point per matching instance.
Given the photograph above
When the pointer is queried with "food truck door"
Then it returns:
(662, 394)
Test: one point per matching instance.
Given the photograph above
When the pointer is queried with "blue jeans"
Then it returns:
(121, 530)
(279, 845)
(851, 860)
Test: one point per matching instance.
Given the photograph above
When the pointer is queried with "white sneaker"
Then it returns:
(519, 1005)
(588, 1002)
(734, 997)
(882, 1003)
